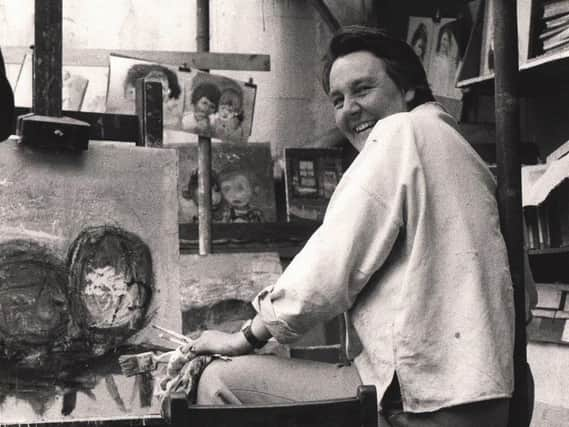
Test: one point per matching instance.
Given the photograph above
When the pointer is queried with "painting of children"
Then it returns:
(194, 102)
(226, 123)
(189, 200)
(204, 100)
(218, 107)
(241, 183)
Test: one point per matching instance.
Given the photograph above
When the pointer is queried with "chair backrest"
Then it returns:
(360, 411)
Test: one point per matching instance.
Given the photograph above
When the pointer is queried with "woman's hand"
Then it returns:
(217, 342)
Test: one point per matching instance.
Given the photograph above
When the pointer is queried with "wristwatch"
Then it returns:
(250, 337)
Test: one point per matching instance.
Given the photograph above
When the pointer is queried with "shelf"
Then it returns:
(549, 251)
(539, 75)
(286, 238)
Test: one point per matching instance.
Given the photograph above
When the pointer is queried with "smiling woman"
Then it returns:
(409, 248)
(363, 93)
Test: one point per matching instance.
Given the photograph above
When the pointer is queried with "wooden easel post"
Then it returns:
(47, 59)
(204, 145)
(45, 127)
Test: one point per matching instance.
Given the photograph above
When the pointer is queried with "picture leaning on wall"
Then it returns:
(194, 102)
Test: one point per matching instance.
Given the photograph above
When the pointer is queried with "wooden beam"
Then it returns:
(47, 58)
(201, 60)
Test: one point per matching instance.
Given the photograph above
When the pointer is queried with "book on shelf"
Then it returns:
(311, 176)
(548, 45)
(558, 31)
(537, 232)
(558, 21)
(553, 8)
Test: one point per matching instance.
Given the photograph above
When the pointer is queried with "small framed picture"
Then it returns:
(311, 176)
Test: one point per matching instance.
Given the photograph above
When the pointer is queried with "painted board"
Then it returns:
(88, 260)
(242, 183)
(194, 102)
(311, 176)
(445, 59)
(216, 290)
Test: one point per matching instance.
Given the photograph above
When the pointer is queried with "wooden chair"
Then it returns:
(358, 411)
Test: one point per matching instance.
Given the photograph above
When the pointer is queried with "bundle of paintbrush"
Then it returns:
(133, 364)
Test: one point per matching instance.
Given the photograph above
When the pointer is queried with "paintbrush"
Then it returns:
(172, 339)
(173, 334)
(133, 364)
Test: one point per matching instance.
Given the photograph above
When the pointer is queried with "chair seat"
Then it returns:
(357, 411)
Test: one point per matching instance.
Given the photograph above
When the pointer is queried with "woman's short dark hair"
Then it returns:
(402, 65)
(207, 90)
(138, 71)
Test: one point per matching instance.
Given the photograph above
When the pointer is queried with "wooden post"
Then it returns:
(204, 144)
(45, 127)
(509, 187)
(47, 79)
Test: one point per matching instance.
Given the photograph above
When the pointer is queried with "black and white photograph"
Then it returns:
(284, 213)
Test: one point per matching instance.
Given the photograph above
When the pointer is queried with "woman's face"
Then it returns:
(363, 93)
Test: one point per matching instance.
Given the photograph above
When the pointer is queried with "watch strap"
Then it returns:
(250, 336)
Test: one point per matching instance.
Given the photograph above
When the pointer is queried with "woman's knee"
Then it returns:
(212, 385)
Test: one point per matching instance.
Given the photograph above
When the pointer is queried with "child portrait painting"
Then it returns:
(241, 183)
(218, 107)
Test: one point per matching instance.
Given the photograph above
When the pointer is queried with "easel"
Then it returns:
(146, 127)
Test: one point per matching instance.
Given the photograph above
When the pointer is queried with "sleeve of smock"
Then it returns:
(357, 234)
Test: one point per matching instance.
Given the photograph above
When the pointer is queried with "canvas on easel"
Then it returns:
(88, 261)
